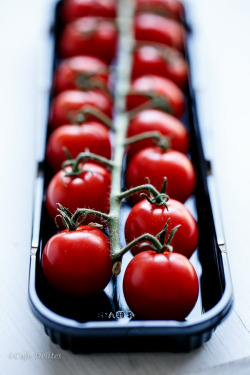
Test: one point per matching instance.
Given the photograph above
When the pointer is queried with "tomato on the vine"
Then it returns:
(81, 72)
(172, 8)
(90, 135)
(90, 188)
(68, 104)
(154, 164)
(78, 263)
(160, 286)
(155, 28)
(73, 9)
(155, 120)
(160, 60)
(146, 217)
(89, 36)
(170, 96)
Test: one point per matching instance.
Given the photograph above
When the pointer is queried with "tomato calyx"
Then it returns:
(156, 136)
(88, 81)
(154, 101)
(73, 221)
(77, 164)
(156, 243)
(80, 116)
(155, 197)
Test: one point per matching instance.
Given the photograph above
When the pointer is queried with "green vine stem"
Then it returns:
(157, 137)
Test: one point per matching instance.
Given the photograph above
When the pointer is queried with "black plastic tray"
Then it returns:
(104, 322)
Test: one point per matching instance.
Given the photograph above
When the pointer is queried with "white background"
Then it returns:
(222, 80)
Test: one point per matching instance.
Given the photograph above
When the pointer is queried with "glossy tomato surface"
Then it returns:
(154, 164)
(90, 189)
(155, 28)
(155, 120)
(162, 87)
(67, 104)
(77, 263)
(80, 71)
(73, 9)
(149, 218)
(160, 60)
(172, 8)
(91, 135)
(160, 286)
(89, 36)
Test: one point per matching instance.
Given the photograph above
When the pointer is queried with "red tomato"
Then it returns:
(160, 60)
(90, 189)
(154, 163)
(73, 9)
(161, 87)
(89, 36)
(70, 102)
(155, 120)
(160, 286)
(154, 28)
(77, 263)
(76, 138)
(172, 8)
(145, 217)
(72, 73)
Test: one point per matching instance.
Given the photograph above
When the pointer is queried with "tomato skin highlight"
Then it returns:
(70, 102)
(155, 164)
(155, 28)
(69, 70)
(89, 36)
(161, 87)
(89, 189)
(155, 120)
(145, 217)
(77, 263)
(91, 135)
(73, 9)
(168, 7)
(160, 286)
(165, 62)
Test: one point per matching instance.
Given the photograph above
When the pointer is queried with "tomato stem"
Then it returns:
(155, 101)
(159, 199)
(83, 157)
(157, 137)
(144, 237)
(81, 116)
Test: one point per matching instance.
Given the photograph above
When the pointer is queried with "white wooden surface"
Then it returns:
(222, 50)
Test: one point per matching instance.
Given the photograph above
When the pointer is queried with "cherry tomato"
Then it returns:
(73, 9)
(166, 8)
(145, 217)
(90, 189)
(76, 138)
(160, 60)
(160, 286)
(68, 104)
(155, 120)
(79, 71)
(155, 164)
(77, 263)
(142, 87)
(155, 28)
(89, 36)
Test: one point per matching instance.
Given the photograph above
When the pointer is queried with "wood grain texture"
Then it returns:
(222, 79)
